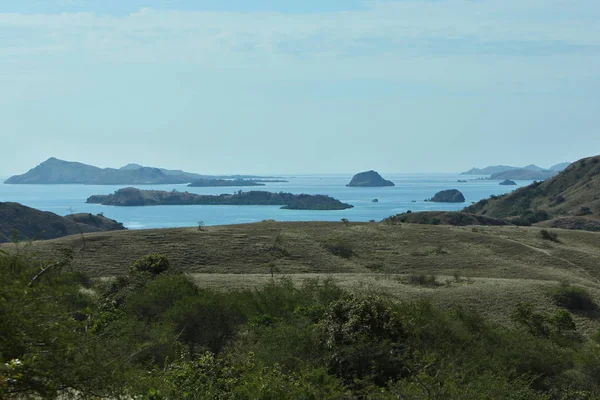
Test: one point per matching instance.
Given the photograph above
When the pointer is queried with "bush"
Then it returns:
(423, 280)
(549, 235)
(153, 263)
(573, 298)
(341, 248)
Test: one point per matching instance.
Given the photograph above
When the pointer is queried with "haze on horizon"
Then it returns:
(267, 87)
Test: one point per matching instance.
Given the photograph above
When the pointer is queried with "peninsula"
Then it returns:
(54, 171)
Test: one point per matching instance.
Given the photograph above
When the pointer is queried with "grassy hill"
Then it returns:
(32, 224)
(573, 193)
(487, 268)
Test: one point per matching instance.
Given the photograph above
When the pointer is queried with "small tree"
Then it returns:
(272, 268)
(201, 225)
(154, 263)
(345, 221)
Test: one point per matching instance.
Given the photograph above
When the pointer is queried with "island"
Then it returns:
(498, 169)
(508, 182)
(369, 179)
(448, 196)
(54, 171)
(524, 174)
(130, 197)
(233, 182)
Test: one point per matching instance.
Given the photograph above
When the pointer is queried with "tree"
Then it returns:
(272, 268)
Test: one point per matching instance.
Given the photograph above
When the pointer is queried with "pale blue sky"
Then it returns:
(235, 86)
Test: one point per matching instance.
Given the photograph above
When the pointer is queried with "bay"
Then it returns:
(66, 199)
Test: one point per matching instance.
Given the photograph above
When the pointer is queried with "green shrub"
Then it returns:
(549, 235)
(573, 298)
(423, 280)
(341, 248)
(153, 263)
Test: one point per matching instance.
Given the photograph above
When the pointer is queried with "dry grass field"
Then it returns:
(490, 269)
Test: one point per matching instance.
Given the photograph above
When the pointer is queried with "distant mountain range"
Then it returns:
(529, 172)
(55, 171)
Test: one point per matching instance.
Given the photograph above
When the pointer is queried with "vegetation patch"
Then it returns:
(573, 298)
(340, 248)
(549, 235)
(423, 280)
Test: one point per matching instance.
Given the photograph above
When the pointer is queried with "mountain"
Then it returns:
(32, 224)
(369, 179)
(493, 169)
(55, 171)
(497, 169)
(523, 174)
(132, 197)
(573, 193)
(533, 167)
(130, 167)
(560, 167)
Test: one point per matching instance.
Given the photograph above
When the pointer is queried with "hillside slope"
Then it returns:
(575, 192)
(497, 267)
(32, 224)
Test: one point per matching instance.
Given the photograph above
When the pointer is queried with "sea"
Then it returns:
(410, 193)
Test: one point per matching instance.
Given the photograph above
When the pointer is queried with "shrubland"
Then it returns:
(154, 334)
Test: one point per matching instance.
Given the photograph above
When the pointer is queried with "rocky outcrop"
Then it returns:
(369, 179)
(448, 196)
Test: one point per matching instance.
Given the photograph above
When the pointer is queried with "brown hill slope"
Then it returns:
(489, 269)
(575, 192)
(32, 224)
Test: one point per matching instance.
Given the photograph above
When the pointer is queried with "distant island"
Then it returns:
(448, 196)
(233, 182)
(498, 169)
(369, 179)
(130, 197)
(55, 171)
(25, 223)
(524, 175)
(508, 182)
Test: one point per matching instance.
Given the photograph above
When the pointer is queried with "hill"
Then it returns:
(129, 197)
(497, 169)
(492, 169)
(505, 264)
(572, 193)
(55, 171)
(369, 179)
(559, 167)
(32, 224)
(454, 218)
(524, 174)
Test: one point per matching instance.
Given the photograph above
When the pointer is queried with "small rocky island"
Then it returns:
(233, 182)
(448, 196)
(225, 183)
(369, 179)
(508, 182)
(131, 197)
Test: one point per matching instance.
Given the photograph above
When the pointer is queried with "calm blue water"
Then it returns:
(65, 199)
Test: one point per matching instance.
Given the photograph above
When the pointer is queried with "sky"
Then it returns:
(312, 86)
